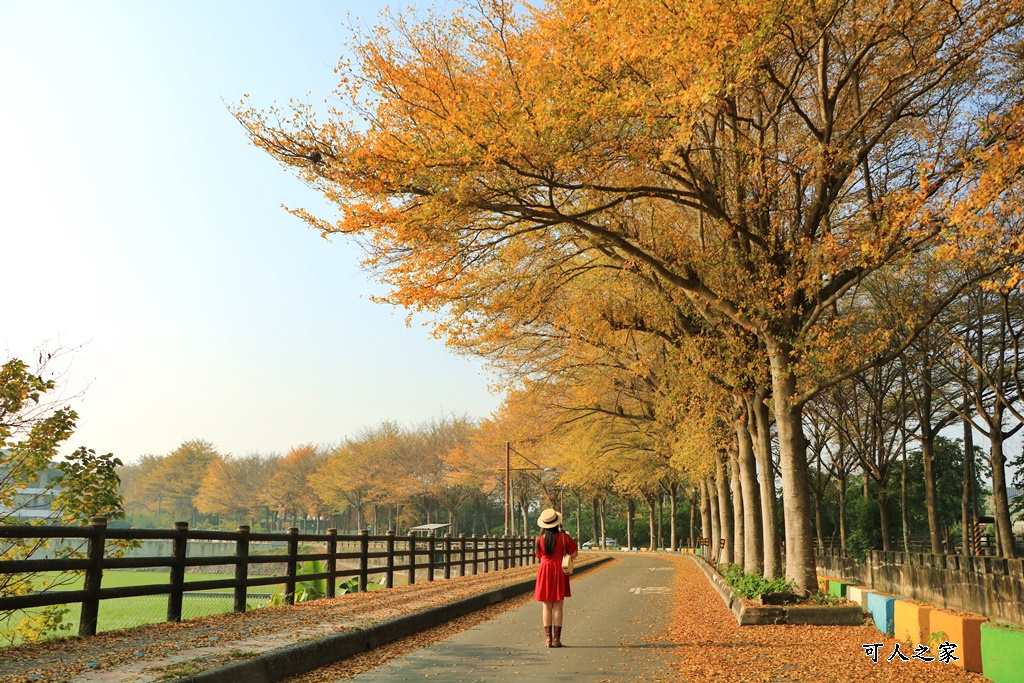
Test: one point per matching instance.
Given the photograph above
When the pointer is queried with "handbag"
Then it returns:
(567, 564)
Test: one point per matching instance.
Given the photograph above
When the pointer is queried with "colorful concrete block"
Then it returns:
(838, 588)
(911, 621)
(1002, 653)
(858, 594)
(962, 629)
(881, 608)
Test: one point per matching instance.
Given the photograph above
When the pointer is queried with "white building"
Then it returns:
(35, 501)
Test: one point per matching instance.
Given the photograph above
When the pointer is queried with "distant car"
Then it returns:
(609, 544)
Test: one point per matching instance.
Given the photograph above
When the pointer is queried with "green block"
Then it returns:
(1002, 653)
(838, 588)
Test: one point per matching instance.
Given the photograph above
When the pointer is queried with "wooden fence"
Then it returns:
(445, 554)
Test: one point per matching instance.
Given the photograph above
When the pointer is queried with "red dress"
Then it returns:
(552, 583)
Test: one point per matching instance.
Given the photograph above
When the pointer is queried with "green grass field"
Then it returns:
(128, 612)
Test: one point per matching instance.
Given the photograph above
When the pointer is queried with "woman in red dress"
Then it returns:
(552, 583)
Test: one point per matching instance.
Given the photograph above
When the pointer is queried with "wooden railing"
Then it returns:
(432, 554)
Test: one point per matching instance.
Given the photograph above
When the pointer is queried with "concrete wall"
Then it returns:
(989, 586)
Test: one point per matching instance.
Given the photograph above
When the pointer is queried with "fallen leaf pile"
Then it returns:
(149, 653)
(710, 647)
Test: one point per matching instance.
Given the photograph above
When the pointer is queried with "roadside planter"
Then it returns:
(881, 608)
(1002, 652)
(964, 630)
(782, 611)
(911, 621)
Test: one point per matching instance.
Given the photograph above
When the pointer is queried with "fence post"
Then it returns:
(293, 565)
(462, 554)
(447, 556)
(364, 550)
(487, 554)
(474, 553)
(412, 559)
(93, 576)
(180, 545)
(241, 567)
(430, 555)
(389, 575)
(332, 562)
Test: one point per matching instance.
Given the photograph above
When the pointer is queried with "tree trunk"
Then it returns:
(693, 510)
(673, 499)
(604, 534)
(883, 517)
(842, 513)
(762, 440)
(966, 509)
(737, 539)
(819, 529)
(579, 516)
(650, 520)
(753, 539)
(716, 517)
(724, 511)
(593, 521)
(904, 514)
(927, 439)
(661, 516)
(1000, 505)
(630, 516)
(705, 511)
(800, 562)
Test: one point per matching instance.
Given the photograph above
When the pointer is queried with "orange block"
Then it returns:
(960, 628)
(911, 621)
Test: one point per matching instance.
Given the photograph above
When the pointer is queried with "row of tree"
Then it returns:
(405, 474)
(673, 223)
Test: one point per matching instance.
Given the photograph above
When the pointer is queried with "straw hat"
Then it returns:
(549, 519)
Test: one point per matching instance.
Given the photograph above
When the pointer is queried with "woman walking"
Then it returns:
(552, 582)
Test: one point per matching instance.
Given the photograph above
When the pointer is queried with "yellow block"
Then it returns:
(912, 621)
(962, 629)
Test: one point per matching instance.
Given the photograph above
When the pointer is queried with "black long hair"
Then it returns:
(549, 537)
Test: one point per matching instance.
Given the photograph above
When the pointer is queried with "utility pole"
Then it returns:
(508, 483)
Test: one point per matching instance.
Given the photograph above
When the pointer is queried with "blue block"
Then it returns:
(882, 609)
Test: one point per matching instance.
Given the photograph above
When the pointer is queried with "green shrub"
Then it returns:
(752, 585)
(825, 598)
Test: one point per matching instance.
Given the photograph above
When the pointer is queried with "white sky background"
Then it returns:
(137, 220)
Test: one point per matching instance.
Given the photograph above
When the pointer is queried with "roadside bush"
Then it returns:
(750, 586)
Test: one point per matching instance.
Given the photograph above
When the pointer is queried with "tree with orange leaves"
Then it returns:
(755, 159)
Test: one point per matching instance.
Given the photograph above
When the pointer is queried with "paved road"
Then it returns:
(613, 631)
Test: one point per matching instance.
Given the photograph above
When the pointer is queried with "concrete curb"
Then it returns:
(277, 665)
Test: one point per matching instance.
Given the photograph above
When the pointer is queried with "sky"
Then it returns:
(140, 229)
